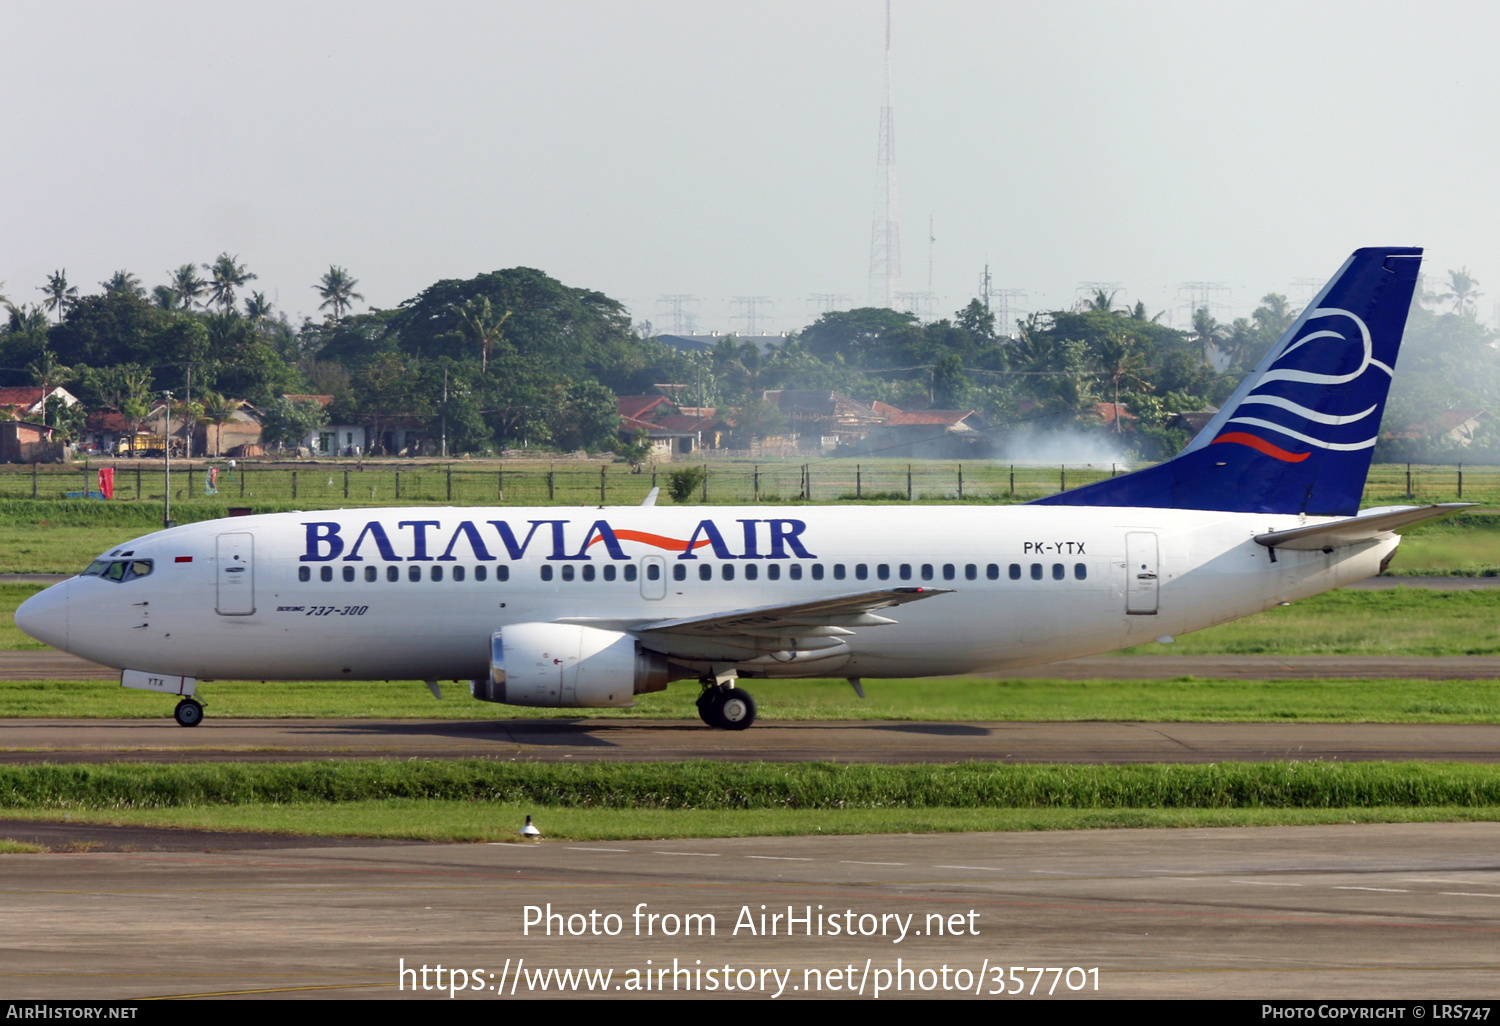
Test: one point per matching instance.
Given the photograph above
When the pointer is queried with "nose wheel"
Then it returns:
(726, 708)
(189, 713)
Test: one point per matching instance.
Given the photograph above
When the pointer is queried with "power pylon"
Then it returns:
(885, 232)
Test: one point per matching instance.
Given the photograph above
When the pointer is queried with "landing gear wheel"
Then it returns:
(188, 713)
(708, 703)
(735, 709)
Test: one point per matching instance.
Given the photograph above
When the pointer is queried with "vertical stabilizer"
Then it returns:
(1297, 435)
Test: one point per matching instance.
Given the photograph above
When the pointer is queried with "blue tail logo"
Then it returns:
(1297, 435)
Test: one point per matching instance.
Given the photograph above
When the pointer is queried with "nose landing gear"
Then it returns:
(189, 713)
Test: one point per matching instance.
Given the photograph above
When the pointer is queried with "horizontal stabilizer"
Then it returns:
(1358, 529)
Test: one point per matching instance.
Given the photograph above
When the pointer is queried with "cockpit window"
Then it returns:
(119, 569)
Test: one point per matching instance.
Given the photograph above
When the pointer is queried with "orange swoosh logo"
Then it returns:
(1261, 445)
(660, 541)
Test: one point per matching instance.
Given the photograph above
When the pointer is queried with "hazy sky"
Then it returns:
(727, 148)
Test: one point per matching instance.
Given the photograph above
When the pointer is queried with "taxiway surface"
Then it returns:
(1372, 911)
(618, 740)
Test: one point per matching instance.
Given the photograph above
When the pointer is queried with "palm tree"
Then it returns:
(186, 284)
(228, 274)
(337, 290)
(1207, 330)
(1118, 360)
(218, 411)
(1102, 301)
(257, 307)
(47, 371)
(1463, 289)
(60, 295)
(123, 282)
(480, 324)
(164, 297)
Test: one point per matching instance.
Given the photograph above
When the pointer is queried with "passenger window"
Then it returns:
(727, 571)
(1057, 572)
(773, 572)
(653, 572)
(392, 574)
(567, 571)
(926, 571)
(414, 574)
(817, 571)
(679, 572)
(794, 571)
(1015, 571)
(883, 571)
(1036, 571)
(992, 571)
(971, 572)
(588, 571)
(948, 572)
(349, 573)
(481, 573)
(905, 572)
(502, 572)
(705, 572)
(304, 573)
(630, 572)
(437, 573)
(838, 571)
(324, 573)
(546, 573)
(1080, 571)
(861, 571)
(752, 571)
(458, 573)
(610, 572)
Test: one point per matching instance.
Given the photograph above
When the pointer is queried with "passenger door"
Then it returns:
(1140, 573)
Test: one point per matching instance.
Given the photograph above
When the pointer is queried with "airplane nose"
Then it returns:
(44, 616)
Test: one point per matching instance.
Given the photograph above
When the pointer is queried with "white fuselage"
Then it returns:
(228, 599)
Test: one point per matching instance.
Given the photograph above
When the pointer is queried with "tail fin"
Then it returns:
(1297, 435)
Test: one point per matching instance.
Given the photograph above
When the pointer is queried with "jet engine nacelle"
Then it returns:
(567, 666)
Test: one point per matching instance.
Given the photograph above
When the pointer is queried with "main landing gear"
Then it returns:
(189, 713)
(722, 704)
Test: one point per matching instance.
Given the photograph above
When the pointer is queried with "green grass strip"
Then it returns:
(728, 786)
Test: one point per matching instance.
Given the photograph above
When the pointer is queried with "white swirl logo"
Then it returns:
(1309, 415)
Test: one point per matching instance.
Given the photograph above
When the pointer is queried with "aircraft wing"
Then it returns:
(828, 617)
(1358, 529)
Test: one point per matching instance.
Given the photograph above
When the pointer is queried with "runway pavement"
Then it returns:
(1369, 912)
(616, 740)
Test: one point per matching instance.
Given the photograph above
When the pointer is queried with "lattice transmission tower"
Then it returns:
(885, 232)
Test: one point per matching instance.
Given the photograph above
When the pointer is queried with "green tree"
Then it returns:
(288, 423)
(187, 286)
(1462, 291)
(60, 295)
(226, 274)
(337, 290)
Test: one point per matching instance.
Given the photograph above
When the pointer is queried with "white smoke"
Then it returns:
(1063, 447)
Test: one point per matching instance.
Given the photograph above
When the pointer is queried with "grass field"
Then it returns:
(487, 801)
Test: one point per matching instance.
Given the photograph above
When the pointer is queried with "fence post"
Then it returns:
(551, 486)
(500, 486)
(450, 482)
(138, 482)
(294, 485)
(705, 482)
(1408, 481)
(908, 482)
(1012, 480)
(243, 471)
(858, 483)
(398, 484)
(1112, 470)
(85, 481)
(1460, 480)
(960, 480)
(757, 482)
(190, 481)
(33, 480)
(1063, 480)
(603, 467)
(346, 484)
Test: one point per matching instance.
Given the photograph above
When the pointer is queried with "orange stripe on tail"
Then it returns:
(1261, 445)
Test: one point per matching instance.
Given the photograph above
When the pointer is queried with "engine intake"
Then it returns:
(562, 665)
